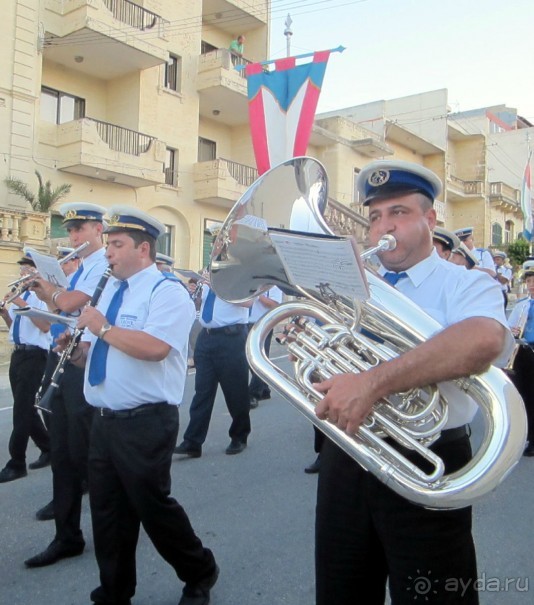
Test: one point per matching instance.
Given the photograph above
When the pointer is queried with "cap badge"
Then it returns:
(378, 178)
(70, 214)
(114, 220)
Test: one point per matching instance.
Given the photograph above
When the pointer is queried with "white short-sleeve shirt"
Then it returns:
(159, 307)
(29, 333)
(450, 293)
(258, 309)
(224, 313)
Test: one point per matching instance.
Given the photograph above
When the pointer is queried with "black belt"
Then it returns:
(146, 408)
(233, 329)
(27, 348)
(449, 435)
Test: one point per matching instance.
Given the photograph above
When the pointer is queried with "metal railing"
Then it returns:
(123, 139)
(242, 174)
(228, 60)
(133, 14)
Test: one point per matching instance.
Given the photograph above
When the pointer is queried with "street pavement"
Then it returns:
(256, 511)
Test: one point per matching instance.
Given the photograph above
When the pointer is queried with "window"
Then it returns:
(210, 232)
(508, 232)
(496, 234)
(171, 167)
(207, 150)
(59, 107)
(173, 73)
(164, 243)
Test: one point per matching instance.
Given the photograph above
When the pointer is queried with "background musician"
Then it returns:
(71, 415)
(31, 340)
(134, 379)
(521, 322)
(483, 256)
(444, 241)
(504, 274)
(366, 534)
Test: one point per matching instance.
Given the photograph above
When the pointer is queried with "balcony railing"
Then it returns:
(466, 187)
(242, 174)
(226, 59)
(18, 226)
(134, 15)
(123, 139)
(505, 192)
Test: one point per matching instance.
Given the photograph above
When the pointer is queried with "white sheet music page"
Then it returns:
(48, 267)
(313, 261)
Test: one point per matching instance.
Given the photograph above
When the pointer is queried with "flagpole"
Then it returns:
(288, 33)
(339, 49)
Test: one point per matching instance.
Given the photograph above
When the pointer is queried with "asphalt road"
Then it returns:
(256, 511)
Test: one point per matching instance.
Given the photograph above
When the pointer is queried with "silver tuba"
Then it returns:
(338, 335)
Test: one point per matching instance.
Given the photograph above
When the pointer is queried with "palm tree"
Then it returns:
(46, 196)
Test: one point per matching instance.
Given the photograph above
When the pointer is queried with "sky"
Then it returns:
(482, 51)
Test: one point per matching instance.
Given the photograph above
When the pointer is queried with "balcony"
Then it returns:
(227, 15)
(19, 227)
(343, 220)
(505, 198)
(222, 89)
(459, 190)
(105, 151)
(222, 182)
(85, 34)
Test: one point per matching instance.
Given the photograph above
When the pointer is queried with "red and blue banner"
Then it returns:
(526, 202)
(282, 105)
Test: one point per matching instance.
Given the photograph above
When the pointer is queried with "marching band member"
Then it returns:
(444, 241)
(464, 257)
(482, 255)
(521, 322)
(71, 415)
(504, 274)
(219, 358)
(366, 534)
(31, 340)
(70, 266)
(134, 379)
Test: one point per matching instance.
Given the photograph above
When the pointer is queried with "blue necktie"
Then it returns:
(16, 323)
(57, 329)
(392, 278)
(528, 334)
(97, 367)
(207, 309)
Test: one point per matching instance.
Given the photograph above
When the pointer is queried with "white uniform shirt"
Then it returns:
(29, 333)
(519, 314)
(163, 309)
(485, 259)
(224, 313)
(505, 272)
(258, 309)
(450, 293)
(94, 266)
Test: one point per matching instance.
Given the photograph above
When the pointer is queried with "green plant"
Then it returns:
(46, 196)
(518, 252)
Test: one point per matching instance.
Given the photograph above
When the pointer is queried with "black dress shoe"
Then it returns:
(199, 594)
(186, 448)
(314, 466)
(236, 447)
(43, 460)
(254, 403)
(46, 513)
(55, 551)
(10, 474)
(529, 451)
(98, 597)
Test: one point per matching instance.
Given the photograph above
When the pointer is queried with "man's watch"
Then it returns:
(104, 329)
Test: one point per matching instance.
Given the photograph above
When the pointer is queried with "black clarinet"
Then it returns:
(44, 401)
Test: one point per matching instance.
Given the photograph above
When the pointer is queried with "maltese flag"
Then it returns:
(282, 105)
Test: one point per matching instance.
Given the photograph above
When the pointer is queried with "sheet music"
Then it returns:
(53, 318)
(312, 261)
(48, 267)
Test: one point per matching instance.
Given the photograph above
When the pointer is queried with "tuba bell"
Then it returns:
(336, 334)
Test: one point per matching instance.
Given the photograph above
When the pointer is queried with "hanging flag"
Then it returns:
(526, 201)
(282, 105)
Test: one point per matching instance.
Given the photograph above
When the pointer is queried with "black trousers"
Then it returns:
(522, 379)
(129, 484)
(25, 371)
(70, 424)
(366, 535)
(257, 386)
(220, 359)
